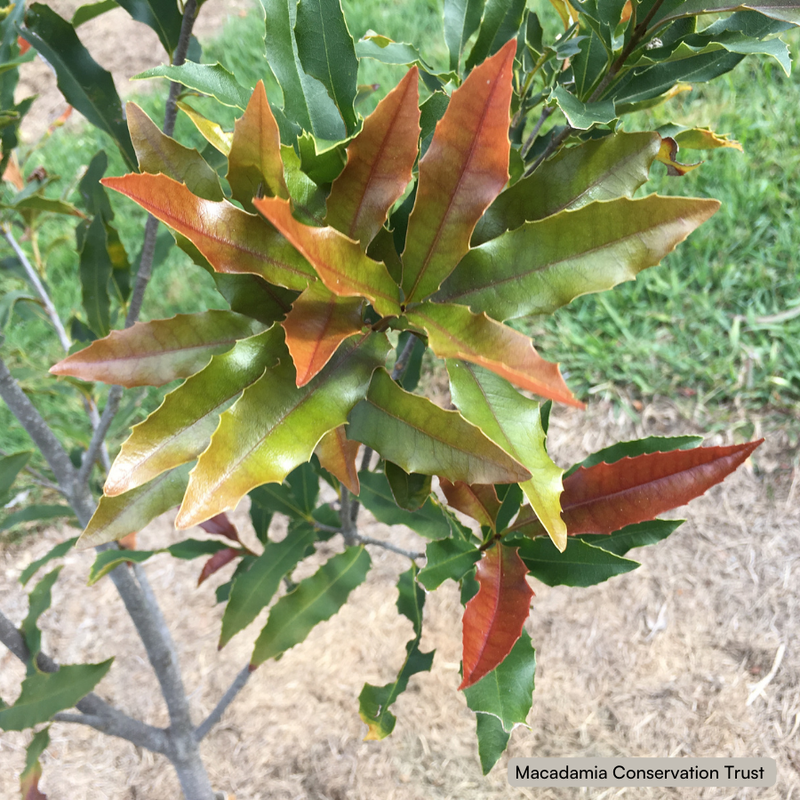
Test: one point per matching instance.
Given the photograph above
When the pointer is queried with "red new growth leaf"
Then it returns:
(493, 619)
(232, 240)
(339, 261)
(379, 162)
(221, 526)
(478, 500)
(337, 454)
(217, 562)
(607, 497)
(464, 169)
(317, 324)
(157, 352)
(455, 332)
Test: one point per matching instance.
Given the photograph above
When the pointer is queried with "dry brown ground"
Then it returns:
(118, 44)
(659, 662)
(662, 661)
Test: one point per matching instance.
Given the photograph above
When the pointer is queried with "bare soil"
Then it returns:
(677, 658)
(664, 661)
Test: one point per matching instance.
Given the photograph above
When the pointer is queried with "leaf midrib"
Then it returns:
(678, 220)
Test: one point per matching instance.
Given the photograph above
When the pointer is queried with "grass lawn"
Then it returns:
(714, 321)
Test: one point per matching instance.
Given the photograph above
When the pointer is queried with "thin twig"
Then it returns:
(214, 717)
(398, 370)
(31, 420)
(94, 710)
(359, 539)
(546, 112)
(552, 146)
(162, 654)
(348, 520)
(148, 251)
(637, 35)
(33, 276)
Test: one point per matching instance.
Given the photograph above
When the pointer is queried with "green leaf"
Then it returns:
(275, 426)
(252, 296)
(787, 10)
(253, 590)
(29, 778)
(118, 516)
(157, 152)
(492, 740)
(376, 496)
(38, 202)
(190, 549)
(120, 266)
(410, 598)
(89, 11)
(382, 48)
(600, 169)
(513, 422)
(232, 240)
(581, 564)
(38, 602)
(506, 692)
(278, 498)
(160, 15)
(95, 272)
(56, 552)
(745, 32)
(305, 99)
(409, 491)
(10, 467)
(637, 447)
(582, 116)
(210, 79)
(644, 83)
(334, 64)
(374, 701)
(94, 196)
(420, 437)
(315, 600)
(501, 21)
(544, 265)
(154, 353)
(45, 694)
(304, 483)
(254, 161)
(464, 169)
(461, 20)
(454, 332)
(447, 558)
(638, 535)
(83, 82)
(109, 560)
(36, 513)
(589, 65)
(413, 372)
(181, 428)
(8, 301)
